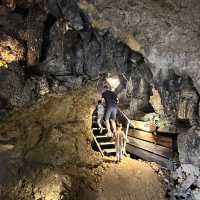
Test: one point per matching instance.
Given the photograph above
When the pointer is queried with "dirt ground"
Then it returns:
(130, 180)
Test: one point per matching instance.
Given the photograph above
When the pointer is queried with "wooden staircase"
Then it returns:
(103, 142)
(158, 146)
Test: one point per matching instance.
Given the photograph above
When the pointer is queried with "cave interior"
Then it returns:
(57, 54)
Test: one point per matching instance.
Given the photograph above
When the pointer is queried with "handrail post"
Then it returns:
(126, 136)
(127, 128)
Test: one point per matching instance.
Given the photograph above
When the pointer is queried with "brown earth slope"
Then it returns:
(130, 180)
(46, 154)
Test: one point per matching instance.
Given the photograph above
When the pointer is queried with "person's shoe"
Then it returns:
(101, 130)
(109, 134)
(118, 160)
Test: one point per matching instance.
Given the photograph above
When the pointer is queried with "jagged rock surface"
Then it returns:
(63, 44)
(188, 145)
(71, 50)
(167, 31)
(184, 183)
(52, 153)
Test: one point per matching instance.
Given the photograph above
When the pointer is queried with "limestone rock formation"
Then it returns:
(167, 31)
(188, 146)
(13, 86)
(71, 48)
(52, 152)
(185, 183)
(52, 47)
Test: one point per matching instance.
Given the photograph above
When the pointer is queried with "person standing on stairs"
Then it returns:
(119, 142)
(100, 114)
(111, 102)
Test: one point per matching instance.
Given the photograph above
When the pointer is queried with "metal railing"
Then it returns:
(126, 134)
(127, 129)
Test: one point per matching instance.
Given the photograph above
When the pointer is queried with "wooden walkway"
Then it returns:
(103, 142)
(143, 143)
(160, 147)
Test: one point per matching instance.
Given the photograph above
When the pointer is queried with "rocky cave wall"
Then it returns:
(47, 149)
(52, 47)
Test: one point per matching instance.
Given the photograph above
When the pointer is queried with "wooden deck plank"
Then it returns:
(106, 143)
(166, 130)
(156, 149)
(141, 125)
(145, 155)
(113, 150)
(149, 137)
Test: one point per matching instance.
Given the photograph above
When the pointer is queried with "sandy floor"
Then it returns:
(130, 180)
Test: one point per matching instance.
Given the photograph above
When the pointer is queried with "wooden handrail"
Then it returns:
(126, 136)
(124, 115)
(127, 128)
(98, 145)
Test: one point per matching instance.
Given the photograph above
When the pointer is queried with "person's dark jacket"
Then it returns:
(110, 98)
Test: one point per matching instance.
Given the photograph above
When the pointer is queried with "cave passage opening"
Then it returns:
(159, 109)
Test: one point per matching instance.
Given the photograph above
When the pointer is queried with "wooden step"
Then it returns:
(141, 125)
(106, 143)
(109, 151)
(102, 136)
(148, 156)
(6, 147)
(97, 134)
(98, 129)
(153, 148)
(166, 130)
(150, 137)
(146, 126)
(4, 140)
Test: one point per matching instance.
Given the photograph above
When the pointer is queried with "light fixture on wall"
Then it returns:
(113, 81)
